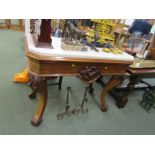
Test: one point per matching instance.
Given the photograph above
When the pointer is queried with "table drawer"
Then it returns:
(69, 68)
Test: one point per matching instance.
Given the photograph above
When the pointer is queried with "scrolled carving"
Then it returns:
(33, 83)
(90, 73)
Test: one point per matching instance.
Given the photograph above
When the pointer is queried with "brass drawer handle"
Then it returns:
(73, 65)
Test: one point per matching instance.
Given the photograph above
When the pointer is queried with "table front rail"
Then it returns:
(56, 68)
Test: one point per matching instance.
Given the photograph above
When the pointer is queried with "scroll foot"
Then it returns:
(36, 122)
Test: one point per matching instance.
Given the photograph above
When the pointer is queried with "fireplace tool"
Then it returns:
(80, 107)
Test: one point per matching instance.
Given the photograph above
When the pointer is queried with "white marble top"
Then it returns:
(59, 52)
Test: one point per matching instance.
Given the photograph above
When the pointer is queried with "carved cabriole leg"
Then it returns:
(133, 81)
(113, 82)
(42, 92)
(123, 99)
(34, 85)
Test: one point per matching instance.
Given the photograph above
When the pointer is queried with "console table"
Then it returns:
(44, 63)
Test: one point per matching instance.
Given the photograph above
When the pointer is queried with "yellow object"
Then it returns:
(112, 50)
(116, 51)
(106, 50)
(105, 30)
(21, 77)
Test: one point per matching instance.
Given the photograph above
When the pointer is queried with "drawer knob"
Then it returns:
(105, 67)
(73, 65)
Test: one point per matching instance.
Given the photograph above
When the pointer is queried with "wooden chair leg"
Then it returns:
(91, 89)
(60, 82)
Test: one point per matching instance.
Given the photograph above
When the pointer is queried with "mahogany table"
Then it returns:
(45, 63)
(137, 72)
